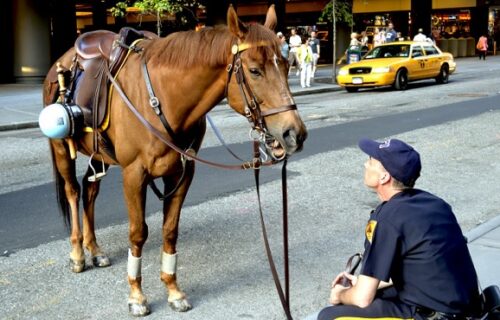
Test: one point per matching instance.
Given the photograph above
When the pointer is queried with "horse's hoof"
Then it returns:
(76, 266)
(138, 309)
(180, 305)
(101, 261)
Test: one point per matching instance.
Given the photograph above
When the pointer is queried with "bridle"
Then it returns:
(258, 133)
(252, 111)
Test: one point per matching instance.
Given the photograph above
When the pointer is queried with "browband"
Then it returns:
(243, 46)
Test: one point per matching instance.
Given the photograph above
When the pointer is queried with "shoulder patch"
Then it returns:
(370, 229)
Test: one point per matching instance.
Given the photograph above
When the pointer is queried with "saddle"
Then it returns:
(97, 50)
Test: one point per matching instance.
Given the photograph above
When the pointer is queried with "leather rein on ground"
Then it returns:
(255, 116)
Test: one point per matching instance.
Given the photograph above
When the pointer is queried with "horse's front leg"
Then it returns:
(68, 191)
(134, 186)
(177, 299)
(90, 191)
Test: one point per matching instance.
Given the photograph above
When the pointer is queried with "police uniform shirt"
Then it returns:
(415, 240)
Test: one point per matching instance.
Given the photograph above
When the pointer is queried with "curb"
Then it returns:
(19, 125)
(34, 124)
(482, 229)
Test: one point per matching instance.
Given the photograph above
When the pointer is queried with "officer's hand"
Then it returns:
(335, 294)
(351, 279)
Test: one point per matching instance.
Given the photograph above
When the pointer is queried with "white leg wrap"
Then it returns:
(133, 265)
(168, 263)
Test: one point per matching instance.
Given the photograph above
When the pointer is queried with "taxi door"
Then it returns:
(433, 64)
(417, 63)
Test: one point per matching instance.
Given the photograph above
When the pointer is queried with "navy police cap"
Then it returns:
(397, 157)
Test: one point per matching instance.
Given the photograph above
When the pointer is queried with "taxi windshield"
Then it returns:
(389, 51)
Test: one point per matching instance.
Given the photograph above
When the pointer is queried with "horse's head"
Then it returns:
(258, 85)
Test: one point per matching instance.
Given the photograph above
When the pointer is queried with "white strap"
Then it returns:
(133, 265)
(168, 263)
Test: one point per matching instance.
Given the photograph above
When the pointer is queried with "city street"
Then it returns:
(222, 263)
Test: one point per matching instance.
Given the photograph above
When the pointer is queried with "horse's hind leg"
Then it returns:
(68, 192)
(90, 190)
(134, 186)
(177, 299)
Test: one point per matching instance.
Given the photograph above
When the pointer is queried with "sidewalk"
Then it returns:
(20, 104)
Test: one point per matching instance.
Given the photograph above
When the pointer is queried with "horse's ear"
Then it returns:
(234, 24)
(271, 19)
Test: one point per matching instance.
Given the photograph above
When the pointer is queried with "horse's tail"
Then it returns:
(62, 200)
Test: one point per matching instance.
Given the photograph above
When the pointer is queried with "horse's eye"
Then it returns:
(255, 71)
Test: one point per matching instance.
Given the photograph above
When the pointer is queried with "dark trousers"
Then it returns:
(482, 54)
(385, 305)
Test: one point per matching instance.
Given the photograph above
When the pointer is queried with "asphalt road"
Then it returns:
(209, 183)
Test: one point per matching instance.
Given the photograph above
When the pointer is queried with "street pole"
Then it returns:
(334, 46)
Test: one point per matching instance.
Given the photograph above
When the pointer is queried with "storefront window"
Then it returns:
(494, 22)
(451, 24)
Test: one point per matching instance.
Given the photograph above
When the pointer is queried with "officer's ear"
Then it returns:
(385, 177)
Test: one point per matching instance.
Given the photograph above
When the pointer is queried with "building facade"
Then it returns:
(439, 19)
(37, 32)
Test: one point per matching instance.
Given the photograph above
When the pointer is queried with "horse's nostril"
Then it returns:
(290, 138)
(302, 137)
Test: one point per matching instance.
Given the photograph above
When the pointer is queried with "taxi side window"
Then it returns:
(417, 52)
(430, 50)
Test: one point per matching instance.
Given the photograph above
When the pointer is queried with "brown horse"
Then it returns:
(189, 74)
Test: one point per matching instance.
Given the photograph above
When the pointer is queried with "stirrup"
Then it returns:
(97, 175)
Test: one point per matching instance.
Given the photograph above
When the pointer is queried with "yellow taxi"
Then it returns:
(395, 64)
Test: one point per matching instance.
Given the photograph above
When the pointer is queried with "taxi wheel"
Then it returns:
(401, 82)
(352, 89)
(443, 74)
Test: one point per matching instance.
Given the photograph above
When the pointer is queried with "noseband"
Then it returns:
(253, 112)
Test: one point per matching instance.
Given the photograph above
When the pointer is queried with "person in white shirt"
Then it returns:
(295, 41)
(354, 40)
(420, 36)
(378, 37)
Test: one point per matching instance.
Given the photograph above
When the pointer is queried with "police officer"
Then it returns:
(416, 264)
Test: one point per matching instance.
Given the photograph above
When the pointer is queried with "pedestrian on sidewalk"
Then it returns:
(378, 37)
(482, 46)
(305, 56)
(294, 42)
(390, 34)
(420, 36)
(285, 49)
(416, 263)
(315, 48)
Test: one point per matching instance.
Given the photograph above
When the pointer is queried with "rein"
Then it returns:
(259, 133)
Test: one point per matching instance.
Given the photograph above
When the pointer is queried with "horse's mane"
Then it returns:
(208, 46)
